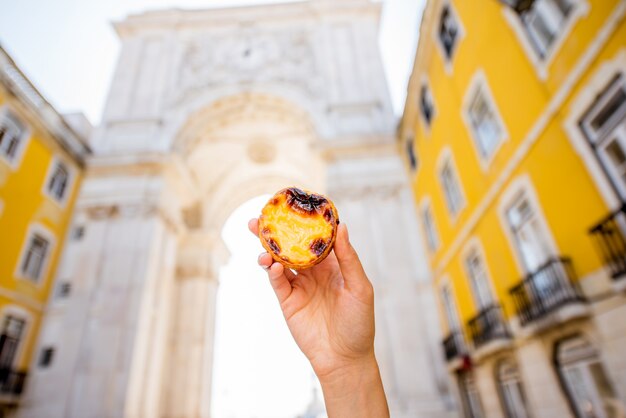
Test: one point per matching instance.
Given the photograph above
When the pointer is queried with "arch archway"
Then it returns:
(234, 149)
(244, 145)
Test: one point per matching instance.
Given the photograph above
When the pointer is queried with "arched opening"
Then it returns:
(512, 394)
(234, 149)
(258, 369)
(584, 380)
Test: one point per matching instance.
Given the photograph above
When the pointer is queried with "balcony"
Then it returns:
(610, 239)
(518, 5)
(454, 346)
(546, 290)
(11, 385)
(488, 326)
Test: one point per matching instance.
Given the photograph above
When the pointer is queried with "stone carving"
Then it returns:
(249, 56)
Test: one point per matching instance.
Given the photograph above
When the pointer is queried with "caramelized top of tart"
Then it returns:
(298, 228)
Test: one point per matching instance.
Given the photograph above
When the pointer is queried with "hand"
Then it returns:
(329, 310)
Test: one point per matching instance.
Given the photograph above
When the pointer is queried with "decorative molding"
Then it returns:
(39, 229)
(250, 56)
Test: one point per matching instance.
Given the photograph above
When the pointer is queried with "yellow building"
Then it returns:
(515, 135)
(41, 163)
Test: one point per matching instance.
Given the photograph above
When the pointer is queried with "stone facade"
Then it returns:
(206, 110)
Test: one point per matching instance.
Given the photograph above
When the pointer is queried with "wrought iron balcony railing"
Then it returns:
(454, 345)
(488, 325)
(11, 381)
(551, 286)
(518, 5)
(609, 235)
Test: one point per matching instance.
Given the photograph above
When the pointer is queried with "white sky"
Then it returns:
(68, 48)
(259, 371)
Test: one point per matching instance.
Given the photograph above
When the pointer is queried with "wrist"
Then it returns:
(346, 369)
(354, 388)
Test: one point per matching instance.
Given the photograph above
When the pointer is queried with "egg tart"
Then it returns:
(298, 228)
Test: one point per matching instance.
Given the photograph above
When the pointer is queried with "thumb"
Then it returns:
(351, 269)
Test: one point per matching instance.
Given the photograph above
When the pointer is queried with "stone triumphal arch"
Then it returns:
(206, 110)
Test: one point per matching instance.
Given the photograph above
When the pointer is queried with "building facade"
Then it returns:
(208, 109)
(514, 136)
(41, 164)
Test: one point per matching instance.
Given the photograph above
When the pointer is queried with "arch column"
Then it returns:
(186, 390)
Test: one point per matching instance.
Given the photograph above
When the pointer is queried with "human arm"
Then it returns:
(329, 310)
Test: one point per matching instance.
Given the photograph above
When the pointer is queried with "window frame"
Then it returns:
(43, 355)
(522, 185)
(455, 325)
(446, 160)
(433, 242)
(411, 154)
(509, 362)
(448, 62)
(598, 140)
(425, 87)
(24, 315)
(474, 247)
(580, 105)
(36, 229)
(69, 187)
(595, 137)
(467, 387)
(479, 85)
(594, 357)
(580, 8)
(63, 290)
(15, 162)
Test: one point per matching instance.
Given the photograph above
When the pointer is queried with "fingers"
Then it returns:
(278, 275)
(253, 226)
(351, 269)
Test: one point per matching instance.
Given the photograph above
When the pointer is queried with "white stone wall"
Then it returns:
(611, 327)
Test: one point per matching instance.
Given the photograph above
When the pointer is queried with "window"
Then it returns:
(410, 152)
(604, 125)
(450, 308)
(452, 190)
(78, 232)
(64, 289)
(59, 181)
(46, 356)
(34, 259)
(543, 22)
(471, 398)
(530, 237)
(479, 280)
(12, 133)
(448, 31)
(485, 123)
(429, 227)
(587, 386)
(12, 330)
(427, 107)
(511, 390)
